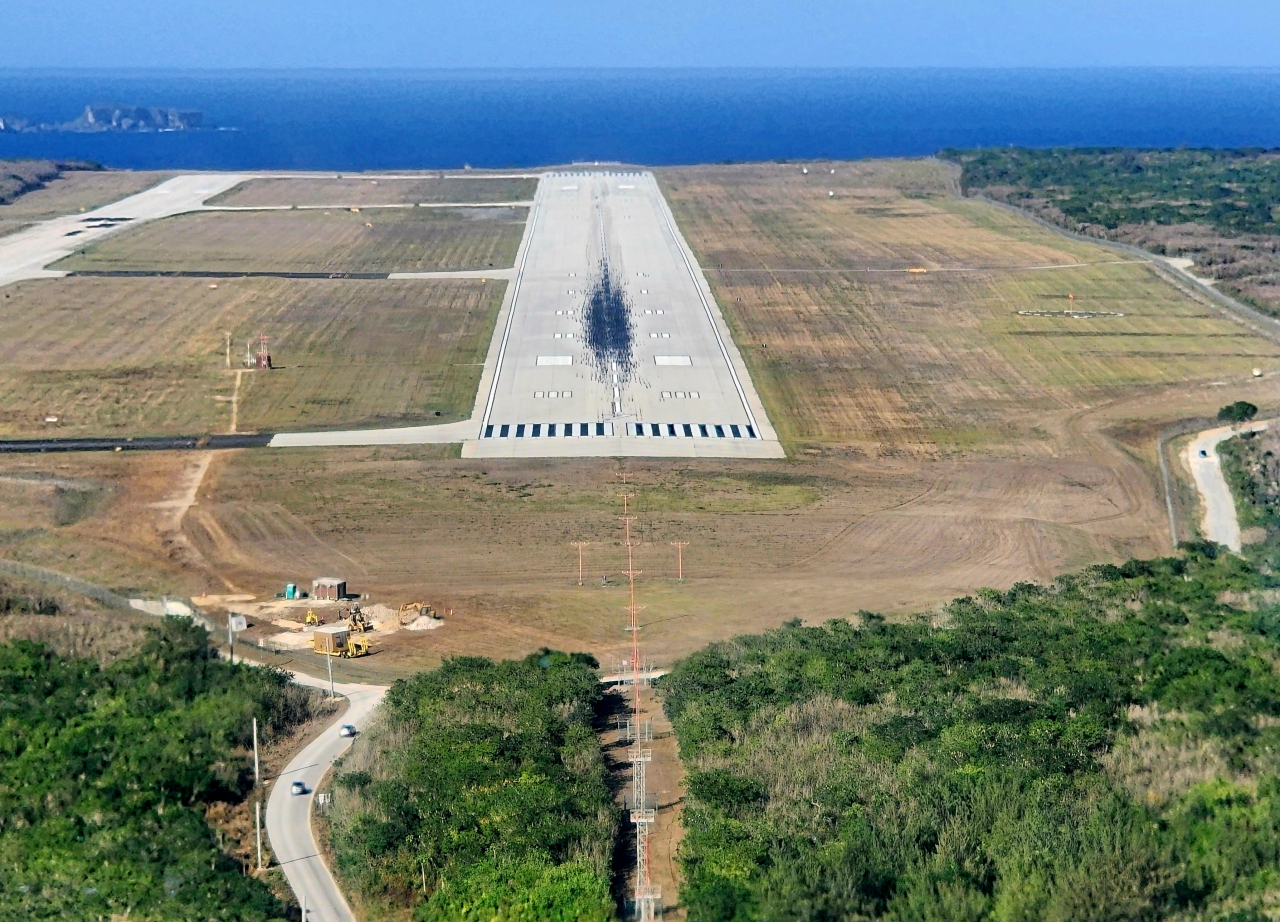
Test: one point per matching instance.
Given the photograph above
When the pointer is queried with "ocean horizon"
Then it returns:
(446, 119)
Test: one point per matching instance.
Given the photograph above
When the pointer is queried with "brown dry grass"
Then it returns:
(849, 349)
(139, 356)
(359, 191)
(392, 240)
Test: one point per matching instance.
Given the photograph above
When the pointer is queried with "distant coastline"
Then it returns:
(112, 119)
(351, 120)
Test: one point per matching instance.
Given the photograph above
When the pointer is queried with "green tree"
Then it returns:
(1239, 412)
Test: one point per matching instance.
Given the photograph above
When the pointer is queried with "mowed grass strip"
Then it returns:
(147, 356)
(353, 190)
(339, 240)
(848, 347)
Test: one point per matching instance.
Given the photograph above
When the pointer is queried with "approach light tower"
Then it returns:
(647, 897)
(264, 355)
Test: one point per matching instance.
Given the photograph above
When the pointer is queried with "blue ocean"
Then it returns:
(362, 120)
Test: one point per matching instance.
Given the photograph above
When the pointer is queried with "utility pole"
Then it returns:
(258, 810)
(680, 546)
(235, 623)
(579, 545)
(328, 646)
(257, 778)
(625, 497)
(624, 476)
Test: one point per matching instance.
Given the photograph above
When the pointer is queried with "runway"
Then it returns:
(612, 344)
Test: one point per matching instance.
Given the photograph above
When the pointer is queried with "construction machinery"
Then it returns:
(410, 611)
(312, 617)
(356, 619)
(336, 640)
(357, 646)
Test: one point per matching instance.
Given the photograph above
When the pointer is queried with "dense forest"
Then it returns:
(1234, 191)
(1102, 748)
(107, 772)
(482, 794)
(1216, 207)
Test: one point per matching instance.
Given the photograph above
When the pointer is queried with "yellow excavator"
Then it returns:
(411, 610)
(312, 617)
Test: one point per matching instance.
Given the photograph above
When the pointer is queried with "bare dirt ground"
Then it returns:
(360, 191)
(336, 240)
(148, 355)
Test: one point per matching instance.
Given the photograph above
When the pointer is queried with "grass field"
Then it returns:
(354, 190)
(850, 349)
(75, 191)
(940, 439)
(147, 355)
(394, 240)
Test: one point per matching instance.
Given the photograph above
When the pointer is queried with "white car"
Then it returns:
(346, 730)
(298, 787)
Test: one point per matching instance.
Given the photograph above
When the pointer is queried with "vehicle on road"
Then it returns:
(1203, 453)
(346, 730)
(298, 787)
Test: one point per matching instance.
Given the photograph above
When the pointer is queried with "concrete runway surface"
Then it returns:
(1219, 522)
(612, 344)
(289, 815)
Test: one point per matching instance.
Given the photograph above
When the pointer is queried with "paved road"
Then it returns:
(289, 816)
(25, 254)
(1219, 522)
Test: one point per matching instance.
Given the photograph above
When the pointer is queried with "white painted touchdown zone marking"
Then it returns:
(555, 360)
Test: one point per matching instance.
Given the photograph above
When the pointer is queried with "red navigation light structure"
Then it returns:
(647, 897)
(264, 355)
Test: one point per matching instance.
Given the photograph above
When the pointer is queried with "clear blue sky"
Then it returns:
(639, 33)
